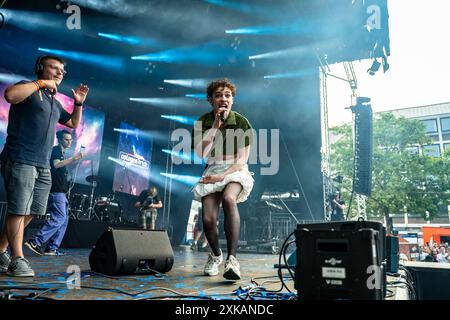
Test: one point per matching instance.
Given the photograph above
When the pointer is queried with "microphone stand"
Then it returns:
(93, 185)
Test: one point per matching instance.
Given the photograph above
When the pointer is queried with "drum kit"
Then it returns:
(85, 207)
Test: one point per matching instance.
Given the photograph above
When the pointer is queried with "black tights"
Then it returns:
(232, 222)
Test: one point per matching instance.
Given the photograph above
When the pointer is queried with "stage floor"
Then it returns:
(184, 281)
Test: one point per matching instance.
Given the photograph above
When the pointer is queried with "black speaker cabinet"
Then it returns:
(430, 279)
(131, 251)
(392, 254)
(338, 264)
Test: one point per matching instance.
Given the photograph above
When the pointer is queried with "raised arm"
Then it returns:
(19, 92)
(79, 96)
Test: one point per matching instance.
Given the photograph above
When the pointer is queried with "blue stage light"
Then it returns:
(131, 167)
(165, 102)
(180, 119)
(34, 21)
(211, 53)
(132, 40)
(181, 56)
(128, 39)
(196, 95)
(288, 29)
(294, 52)
(295, 74)
(185, 179)
(105, 61)
(189, 158)
(199, 84)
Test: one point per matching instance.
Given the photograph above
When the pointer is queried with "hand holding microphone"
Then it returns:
(221, 117)
(80, 154)
(51, 85)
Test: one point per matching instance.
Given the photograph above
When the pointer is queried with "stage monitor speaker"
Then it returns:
(392, 254)
(430, 279)
(353, 225)
(131, 251)
(338, 265)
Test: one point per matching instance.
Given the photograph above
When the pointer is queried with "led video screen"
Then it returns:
(133, 160)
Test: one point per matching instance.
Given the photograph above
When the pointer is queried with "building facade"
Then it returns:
(436, 119)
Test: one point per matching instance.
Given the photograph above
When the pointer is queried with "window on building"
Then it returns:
(430, 125)
(413, 150)
(446, 146)
(433, 150)
(445, 126)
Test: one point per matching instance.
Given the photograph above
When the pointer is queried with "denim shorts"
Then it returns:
(27, 188)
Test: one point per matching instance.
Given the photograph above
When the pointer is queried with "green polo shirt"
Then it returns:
(236, 133)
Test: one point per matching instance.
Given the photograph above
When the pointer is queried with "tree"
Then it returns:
(400, 177)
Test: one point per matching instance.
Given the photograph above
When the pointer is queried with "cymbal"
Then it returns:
(92, 178)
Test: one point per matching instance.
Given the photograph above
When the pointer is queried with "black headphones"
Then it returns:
(39, 66)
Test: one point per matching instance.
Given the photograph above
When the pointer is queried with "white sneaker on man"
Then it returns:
(232, 269)
(212, 265)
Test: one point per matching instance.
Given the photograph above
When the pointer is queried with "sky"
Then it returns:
(419, 71)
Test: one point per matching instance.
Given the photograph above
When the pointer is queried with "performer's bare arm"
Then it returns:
(156, 205)
(341, 206)
(62, 163)
(19, 92)
(203, 148)
(79, 96)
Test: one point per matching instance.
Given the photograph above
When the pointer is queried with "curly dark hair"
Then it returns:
(225, 83)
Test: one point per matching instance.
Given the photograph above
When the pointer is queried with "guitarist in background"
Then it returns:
(148, 202)
(338, 206)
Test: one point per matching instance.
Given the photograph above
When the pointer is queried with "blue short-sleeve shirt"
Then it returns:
(31, 129)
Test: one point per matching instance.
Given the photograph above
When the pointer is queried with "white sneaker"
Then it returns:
(232, 269)
(212, 265)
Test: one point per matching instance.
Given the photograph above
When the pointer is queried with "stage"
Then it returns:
(184, 281)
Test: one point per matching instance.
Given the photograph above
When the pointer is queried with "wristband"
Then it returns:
(76, 104)
(41, 84)
(37, 85)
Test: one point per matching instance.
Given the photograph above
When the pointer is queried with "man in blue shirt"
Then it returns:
(25, 159)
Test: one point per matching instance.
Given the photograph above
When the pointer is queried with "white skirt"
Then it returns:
(243, 176)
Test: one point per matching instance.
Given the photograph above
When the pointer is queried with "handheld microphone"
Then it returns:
(222, 116)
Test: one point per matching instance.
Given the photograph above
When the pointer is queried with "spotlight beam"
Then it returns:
(105, 61)
(180, 119)
(287, 29)
(294, 52)
(165, 102)
(184, 179)
(199, 84)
